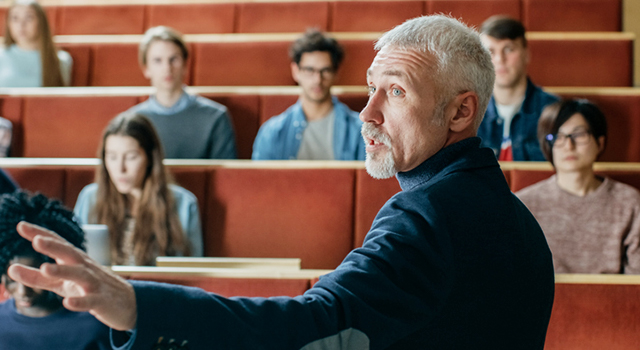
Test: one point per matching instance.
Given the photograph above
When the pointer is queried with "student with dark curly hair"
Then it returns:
(34, 318)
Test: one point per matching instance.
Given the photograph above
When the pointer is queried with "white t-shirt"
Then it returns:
(317, 139)
(506, 113)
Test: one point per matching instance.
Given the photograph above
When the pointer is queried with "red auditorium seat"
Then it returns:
(74, 124)
(372, 16)
(116, 64)
(622, 111)
(241, 64)
(75, 180)
(572, 15)
(371, 194)
(246, 287)
(245, 111)
(474, 12)
(581, 62)
(297, 213)
(521, 178)
(48, 180)
(272, 105)
(100, 19)
(594, 316)
(282, 17)
(193, 18)
(81, 54)
(11, 109)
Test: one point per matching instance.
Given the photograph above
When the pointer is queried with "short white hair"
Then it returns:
(463, 63)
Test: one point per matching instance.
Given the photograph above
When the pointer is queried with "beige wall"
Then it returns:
(631, 24)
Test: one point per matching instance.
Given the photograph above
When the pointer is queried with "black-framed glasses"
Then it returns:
(577, 138)
(325, 72)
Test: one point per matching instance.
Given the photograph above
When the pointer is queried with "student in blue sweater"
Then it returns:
(34, 318)
(189, 126)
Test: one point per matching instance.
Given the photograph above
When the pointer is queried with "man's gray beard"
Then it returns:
(380, 166)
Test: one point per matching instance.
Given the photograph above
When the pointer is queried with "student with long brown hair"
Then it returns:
(28, 57)
(146, 216)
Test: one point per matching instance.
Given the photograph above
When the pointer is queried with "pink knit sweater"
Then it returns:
(597, 233)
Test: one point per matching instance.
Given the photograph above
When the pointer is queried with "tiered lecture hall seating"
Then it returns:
(269, 209)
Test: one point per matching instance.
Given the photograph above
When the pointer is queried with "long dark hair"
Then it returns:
(157, 228)
(51, 75)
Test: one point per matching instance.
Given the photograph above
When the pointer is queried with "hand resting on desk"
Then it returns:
(84, 284)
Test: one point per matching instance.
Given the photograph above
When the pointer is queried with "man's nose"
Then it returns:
(371, 112)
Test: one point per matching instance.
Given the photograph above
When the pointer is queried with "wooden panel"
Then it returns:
(282, 17)
(281, 213)
(193, 18)
(372, 16)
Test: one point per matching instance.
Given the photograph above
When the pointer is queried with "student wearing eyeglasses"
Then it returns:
(318, 126)
(592, 223)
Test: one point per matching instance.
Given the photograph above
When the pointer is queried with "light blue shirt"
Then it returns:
(23, 68)
(280, 136)
(186, 205)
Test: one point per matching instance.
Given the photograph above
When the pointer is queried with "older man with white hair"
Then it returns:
(454, 261)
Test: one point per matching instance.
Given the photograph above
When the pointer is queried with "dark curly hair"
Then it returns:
(314, 40)
(37, 209)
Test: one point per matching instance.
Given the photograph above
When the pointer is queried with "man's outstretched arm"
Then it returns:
(84, 284)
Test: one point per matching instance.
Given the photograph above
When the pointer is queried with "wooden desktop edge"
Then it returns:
(218, 262)
(275, 273)
(151, 272)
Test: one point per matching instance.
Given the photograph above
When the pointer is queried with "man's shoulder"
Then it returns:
(536, 190)
(624, 192)
(541, 96)
(89, 190)
(142, 108)
(281, 120)
(181, 194)
(208, 105)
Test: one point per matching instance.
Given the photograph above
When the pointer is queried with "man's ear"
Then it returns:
(466, 105)
(295, 70)
(600, 140)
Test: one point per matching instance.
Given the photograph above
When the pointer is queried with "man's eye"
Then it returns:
(372, 90)
(396, 92)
